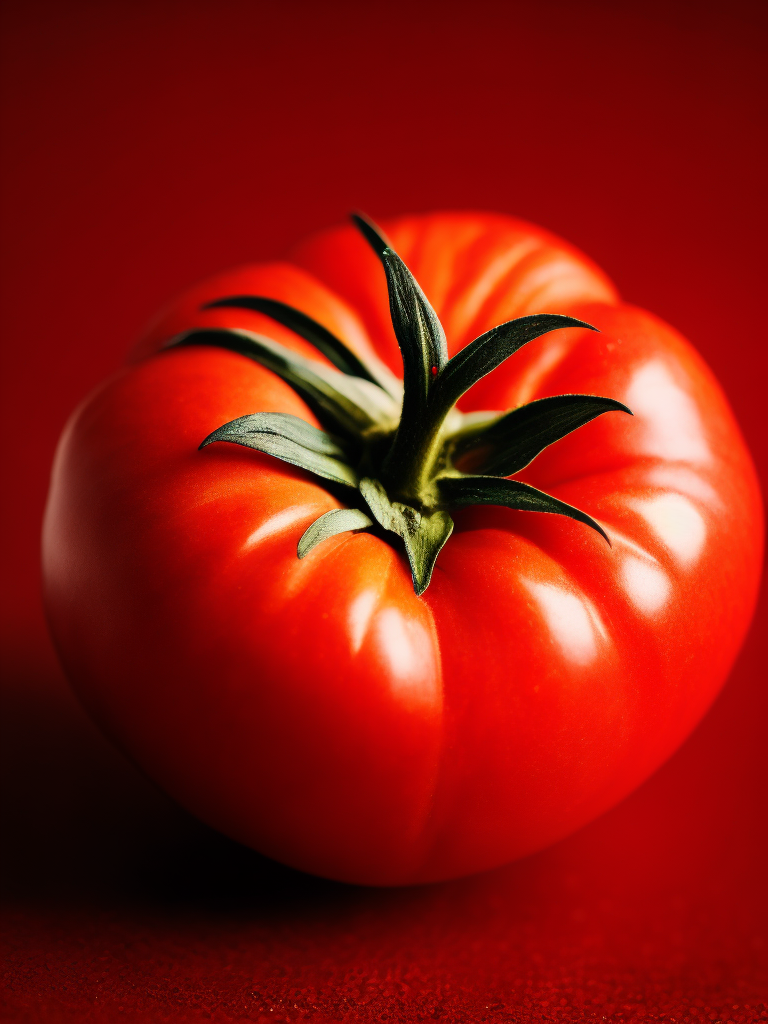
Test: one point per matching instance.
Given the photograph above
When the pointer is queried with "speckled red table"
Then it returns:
(150, 144)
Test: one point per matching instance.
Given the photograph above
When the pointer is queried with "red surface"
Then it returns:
(153, 144)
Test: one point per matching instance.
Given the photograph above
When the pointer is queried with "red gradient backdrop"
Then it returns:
(149, 144)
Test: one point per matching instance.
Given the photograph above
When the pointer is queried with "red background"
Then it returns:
(150, 144)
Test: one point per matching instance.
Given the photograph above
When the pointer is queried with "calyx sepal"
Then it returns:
(404, 453)
(423, 532)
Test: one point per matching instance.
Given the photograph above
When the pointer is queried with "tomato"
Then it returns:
(320, 709)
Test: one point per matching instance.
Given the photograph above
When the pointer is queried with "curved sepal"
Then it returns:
(333, 348)
(424, 352)
(338, 520)
(490, 350)
(458, 492)
(283, 424)
(513, 441)
(418, 331)
(271, 434)
(423, 534)
(347, 404)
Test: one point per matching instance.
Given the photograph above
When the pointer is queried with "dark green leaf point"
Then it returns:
(491, 349)
(458, 492)
(373, 234)
(513, 441)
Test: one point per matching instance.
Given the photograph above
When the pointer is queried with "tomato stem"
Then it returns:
(395, 450)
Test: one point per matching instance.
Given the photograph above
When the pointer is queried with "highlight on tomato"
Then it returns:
(405, 556)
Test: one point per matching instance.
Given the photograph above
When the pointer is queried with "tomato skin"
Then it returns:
(318, 710)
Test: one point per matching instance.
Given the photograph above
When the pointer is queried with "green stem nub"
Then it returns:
(402, 452)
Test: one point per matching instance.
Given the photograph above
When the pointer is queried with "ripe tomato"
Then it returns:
(318, 709)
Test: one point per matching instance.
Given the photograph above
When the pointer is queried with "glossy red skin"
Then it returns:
(318, 710)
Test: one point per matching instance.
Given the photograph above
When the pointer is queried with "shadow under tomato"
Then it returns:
(206, 871)
(82, 825)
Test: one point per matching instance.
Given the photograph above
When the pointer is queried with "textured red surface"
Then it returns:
(152, 144)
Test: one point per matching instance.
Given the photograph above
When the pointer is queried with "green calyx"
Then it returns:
(401, 455)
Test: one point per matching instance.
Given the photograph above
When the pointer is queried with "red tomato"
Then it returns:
(320, 711)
